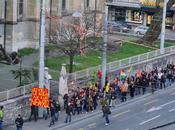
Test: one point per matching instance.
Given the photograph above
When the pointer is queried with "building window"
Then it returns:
(63, 4)
(20, 9)
(2, 8)
(136, 16)
(120, 14)
(87, 3)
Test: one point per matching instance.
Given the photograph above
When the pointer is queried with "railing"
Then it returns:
(85, 74)
(112, 66)
(16, 92)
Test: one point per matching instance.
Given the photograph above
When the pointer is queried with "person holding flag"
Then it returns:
(122, 75)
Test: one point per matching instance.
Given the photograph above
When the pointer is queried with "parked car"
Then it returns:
(118, 26)
(141, 30)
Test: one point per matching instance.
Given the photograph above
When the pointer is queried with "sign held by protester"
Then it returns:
(40, 97)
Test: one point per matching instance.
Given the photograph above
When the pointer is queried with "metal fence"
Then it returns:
(85, 74)
(16, 92)
(119, 64)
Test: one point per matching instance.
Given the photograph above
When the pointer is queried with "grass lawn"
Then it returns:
(168, 43)
(93, 58)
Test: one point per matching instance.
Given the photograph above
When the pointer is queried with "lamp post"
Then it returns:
(50, 22)
(41, 49)
(105, 38)
(5, 23)
(162, 42)
(95, 13)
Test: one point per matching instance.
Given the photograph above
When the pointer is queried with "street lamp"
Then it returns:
(5, 23)
(41, 49)
(162, 42)
(105, 38)
(95, 13)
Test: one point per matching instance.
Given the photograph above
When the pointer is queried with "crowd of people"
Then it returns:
(117, 89)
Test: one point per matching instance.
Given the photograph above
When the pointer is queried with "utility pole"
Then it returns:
(42, 44)
(95, 15)
(104, 48)
(162, 42)
(41, 48)
(5, 23)
(50, 22)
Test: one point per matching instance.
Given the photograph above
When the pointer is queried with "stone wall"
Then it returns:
(14, 107)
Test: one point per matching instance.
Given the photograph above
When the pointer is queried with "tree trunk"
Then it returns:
(155, 28)
(71, 60)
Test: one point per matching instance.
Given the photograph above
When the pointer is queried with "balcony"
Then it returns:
(125, 3)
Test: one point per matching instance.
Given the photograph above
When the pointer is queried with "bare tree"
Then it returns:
(67, 38)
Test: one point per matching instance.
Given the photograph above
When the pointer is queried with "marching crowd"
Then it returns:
(116, 89)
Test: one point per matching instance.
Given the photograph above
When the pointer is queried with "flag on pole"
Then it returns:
(122, 74)
(107, 87)
(130, 69)
(139, 73)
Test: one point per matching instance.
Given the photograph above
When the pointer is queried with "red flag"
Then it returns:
(99, 73)
(139, 73)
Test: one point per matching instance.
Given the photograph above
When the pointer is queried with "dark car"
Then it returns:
(118, 26)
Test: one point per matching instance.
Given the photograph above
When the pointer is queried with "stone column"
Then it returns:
(12, 20)
(12, 11)
(174, 21)
(144, 18)
(59, 7)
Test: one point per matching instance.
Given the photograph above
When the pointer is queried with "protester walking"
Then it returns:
(68, 112)
(1, 117)
(106, 111)
(19, 122)
(52, 115)
(34, 112)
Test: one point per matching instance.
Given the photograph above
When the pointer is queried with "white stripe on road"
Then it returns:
(163, 105)
(93, 124)
(172, 110)
(149, 120)
(121, 113)
(148, 103)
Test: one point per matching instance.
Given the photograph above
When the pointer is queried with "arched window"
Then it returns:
(63, 4)
(20, 9)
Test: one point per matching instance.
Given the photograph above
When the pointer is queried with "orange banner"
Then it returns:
(40, 97)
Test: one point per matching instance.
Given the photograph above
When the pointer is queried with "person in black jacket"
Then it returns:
(68, 112)
(19, 122)
(106, 111)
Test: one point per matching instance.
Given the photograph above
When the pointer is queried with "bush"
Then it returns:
(27, 51)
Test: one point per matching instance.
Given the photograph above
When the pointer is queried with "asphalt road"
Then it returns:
(138, 114)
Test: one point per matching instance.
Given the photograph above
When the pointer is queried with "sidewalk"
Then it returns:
(42, 124)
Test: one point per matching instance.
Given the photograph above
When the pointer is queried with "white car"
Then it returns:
(141, 30)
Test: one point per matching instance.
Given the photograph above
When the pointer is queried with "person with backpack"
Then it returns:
(1, 117)
(19, 122)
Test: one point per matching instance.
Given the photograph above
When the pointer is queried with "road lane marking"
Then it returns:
(149, 120)
(163, 105)
(154, 109)
(93, 124)
(160, 107)
(121, 113)
(148, 103)
(172, 110)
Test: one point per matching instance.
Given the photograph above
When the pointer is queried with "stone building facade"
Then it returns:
(22, 28)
